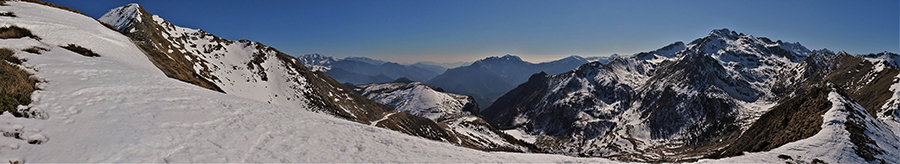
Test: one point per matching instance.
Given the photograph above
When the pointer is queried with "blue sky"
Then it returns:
(467, 30)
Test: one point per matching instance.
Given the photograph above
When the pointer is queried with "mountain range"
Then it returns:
(132, 87)
(363, 70)
(488, 78)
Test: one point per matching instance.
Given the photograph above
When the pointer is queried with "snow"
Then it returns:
(418, 99)
(832, 144)
(224, 63)
(387, 116)
(119, 108)
(119, 17)
(519, 134)
(445, 108)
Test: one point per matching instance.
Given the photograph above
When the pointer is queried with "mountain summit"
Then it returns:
(488, 78)
(680, 102)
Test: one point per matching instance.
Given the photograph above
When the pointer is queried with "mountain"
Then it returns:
(365, 60)
(317, 62)
(601, 59)
(445, 65)
(109, 98)
(431, 67)
(457, 112)
(362, 70)
(254, 71)
(701, 100)
(128, 99)
(489, 78)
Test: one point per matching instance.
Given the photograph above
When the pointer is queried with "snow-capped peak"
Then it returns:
(122, 17)
(504, 58)
(316, 59)
(366, 60)
(724, 32)
(573, 57)
(510, 57)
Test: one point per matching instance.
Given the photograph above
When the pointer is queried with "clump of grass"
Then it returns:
(15, 88)
(8, 14)
(35, 50)
(55, 6)
(13, 31)
(111, 27)
(81, 50)
(7, 54)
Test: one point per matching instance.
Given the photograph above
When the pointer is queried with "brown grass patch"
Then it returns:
(15, 88)
(12, 32)
(7, 54)
(81, 50)
(35, 50)
(55, 6)
(111, 27)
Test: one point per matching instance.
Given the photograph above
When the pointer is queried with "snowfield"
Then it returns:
(832, 144)
(120, 108)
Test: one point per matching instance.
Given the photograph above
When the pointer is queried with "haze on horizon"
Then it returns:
(538, 31)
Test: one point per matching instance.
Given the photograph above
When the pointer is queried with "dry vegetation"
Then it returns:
(35, 50)
(8, 14)
(81, 50)
(16, 86)
(12, 32)
(7, 54)
(795, 119)
(55, 6)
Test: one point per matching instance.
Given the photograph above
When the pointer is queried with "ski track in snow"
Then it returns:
(384, 118)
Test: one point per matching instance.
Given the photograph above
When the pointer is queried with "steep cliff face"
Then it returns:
(255, 71)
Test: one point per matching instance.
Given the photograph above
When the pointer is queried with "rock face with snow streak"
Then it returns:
(681, 102)
(457, 112)
(255, 71)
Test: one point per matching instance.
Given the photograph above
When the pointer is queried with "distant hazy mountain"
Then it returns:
(447, 65)
(363, 70)
(489, 78)
(431, 67)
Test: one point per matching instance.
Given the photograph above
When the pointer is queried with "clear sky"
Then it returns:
(467, 30)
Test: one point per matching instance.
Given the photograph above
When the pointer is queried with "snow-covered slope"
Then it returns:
(491, 77)
(419, 99)
(255, 71)
(680, 102)
(848, 135)
(121, 108)
(458, 112)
